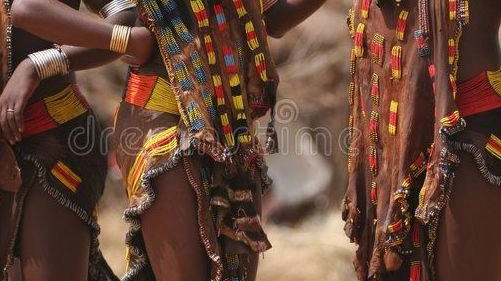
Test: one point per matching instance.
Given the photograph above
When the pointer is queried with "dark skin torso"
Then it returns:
(479, 49)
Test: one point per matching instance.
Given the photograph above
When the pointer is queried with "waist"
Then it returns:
(151, 92)
(479, 94)
(54, 110)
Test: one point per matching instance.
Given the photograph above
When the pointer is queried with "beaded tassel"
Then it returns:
(351, 93)
(260, 62)
(454, 87)
(451, 120)
(229, 60)
(424, 17)
(236, 93)
(452, 51)
(220, 18)
(200, 13)
(464, 12)
(375, 89)
(396, 62)
(373, 160)
(431, 72)
(364, 9)
(494, 146)
(240, 8)
(395, 227)
(353, 61)
(402, 24)
(251, 36)
(359, 40)
(373, 126)
(350, 21)
(452, 9)
(374, 193)
(416, 235)
(377, 49)
(422, 44)
(218, 89)
(227, 130)
(209, 49)
(415, 274)
(406, 182)
(418, 166)
(392, 126)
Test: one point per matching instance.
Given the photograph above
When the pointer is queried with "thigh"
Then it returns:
(468, 246)
(54, 242)
(170, 230)
(6, 223)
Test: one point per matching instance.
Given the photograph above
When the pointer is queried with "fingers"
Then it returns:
(11, 120)
(4, 124)
(9, 125)
(19, 119)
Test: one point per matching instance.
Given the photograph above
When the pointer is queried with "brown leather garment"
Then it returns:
(367, 220)
(387, 180)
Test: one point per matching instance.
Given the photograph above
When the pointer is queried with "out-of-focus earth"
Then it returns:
(302, 215)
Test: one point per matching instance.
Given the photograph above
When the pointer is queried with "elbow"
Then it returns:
(22, 12)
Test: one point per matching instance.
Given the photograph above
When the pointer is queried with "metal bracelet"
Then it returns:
(120, 38)
(115, 6)
(49, 63)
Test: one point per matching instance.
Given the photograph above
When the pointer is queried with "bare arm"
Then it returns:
(25, 80)
(56, 22)
(286, 14)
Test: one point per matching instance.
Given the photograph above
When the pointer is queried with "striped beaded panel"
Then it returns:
(53, 111)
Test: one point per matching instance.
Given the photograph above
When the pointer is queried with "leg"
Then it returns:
(6, 221)
(54, 242)
(170, 230)
(468, 245)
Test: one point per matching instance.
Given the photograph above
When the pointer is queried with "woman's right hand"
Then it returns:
(141, 44)
(20, 87)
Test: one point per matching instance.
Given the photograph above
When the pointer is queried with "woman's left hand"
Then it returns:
(13, 99)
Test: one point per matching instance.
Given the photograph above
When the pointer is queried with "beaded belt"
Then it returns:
(152, 93)
(53, 111)
(480, 93)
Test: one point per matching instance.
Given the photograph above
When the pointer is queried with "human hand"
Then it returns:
(13, 99)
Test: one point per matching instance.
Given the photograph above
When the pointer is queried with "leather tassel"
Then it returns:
(374, 193)
(422, 43)
(416, 235)
(415, 274)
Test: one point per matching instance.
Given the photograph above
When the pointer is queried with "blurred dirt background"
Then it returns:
(302, 215)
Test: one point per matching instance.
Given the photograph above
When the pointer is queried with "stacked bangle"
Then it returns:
(115, 7)
(50, 62)
(120, 39)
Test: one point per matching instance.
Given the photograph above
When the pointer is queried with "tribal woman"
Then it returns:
(49, 223)
(425, 99)
(184, 133)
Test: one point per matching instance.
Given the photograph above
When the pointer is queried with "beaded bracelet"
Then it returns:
(115, 7)
(50, 62)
